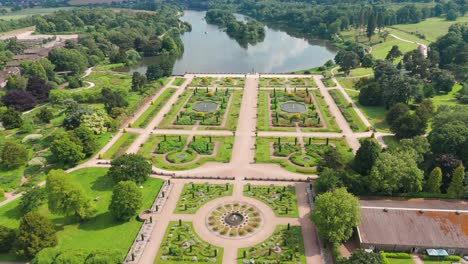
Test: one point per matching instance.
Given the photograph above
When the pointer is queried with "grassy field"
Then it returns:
(449, 98)
(381, 50)
(120, 146)
(375, 114)
(154, 109)
(100, 232)
(10, 179)
(32, 11)
(178, 81)
(348, 112)
(399, 261)
(431, 28)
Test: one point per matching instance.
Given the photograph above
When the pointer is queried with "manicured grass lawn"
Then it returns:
(277, 197)
(448, 98)
(347, 83)
(120, 146)
(348, 112)
(154, 109)
(360, 72)
(223, 154)
(431, 28)
(172, 250)
(290, 242)
(381, 50)
(329, 119)
(328, 82)
(32, 11)
(178, 81)
(194, 196)
(399, 261)
(100, 232)
(375, 114)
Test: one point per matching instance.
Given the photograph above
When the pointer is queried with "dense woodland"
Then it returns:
(250, 32)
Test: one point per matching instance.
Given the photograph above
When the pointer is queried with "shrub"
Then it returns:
(7, 238)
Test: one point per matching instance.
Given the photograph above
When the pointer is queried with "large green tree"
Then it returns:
(126, 200)
(66, 198)
(7, 238)
(360, 256)
(328, 180)
(395, 171)
(14, 155)
(366, 155)
(434, 181)
(335, 214)
(35, 233)
(66, 149)
(130, 167)
(456, 189)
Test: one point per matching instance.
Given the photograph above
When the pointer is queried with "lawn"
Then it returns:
(281, 199)
(375, 114)
(170, 154)
(100, 232)
(120, 146)
(391, 141)
(360, 72)
(284, 246)
(154, 109)
(348, 112)
(283, 82)
(10, 179)
(194, 196)
(328, 82)
(431, 28)
(182, 245)
(448, 98)
(32, 11)
(381, 50)
(399, 261)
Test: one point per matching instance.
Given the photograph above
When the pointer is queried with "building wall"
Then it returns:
(410, 248)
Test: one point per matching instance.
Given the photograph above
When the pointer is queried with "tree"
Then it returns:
(332, 159)
(434, 181)
(113, 99)
(408, 126)
(154, 72)
(45, 115)
(32, 199)
(14, 155)
(35, 233)
(442, 80)
(360, 256)
(87, 138)
(452, 15)
(328, 180)
(366, 156)
(19, 100)
(130, 167)
(367, 60)
(393, 172)
(425, 110)
(393, 53)
(347, 60)
(455, 189)
(68, 60)
(133, 57)
(335, 214)
(126, 200)
(7, 238)
(96, 121)
(370, 92)
(65, 197)
(11, 119)
(396, 112)
(138, 81)
(66, 150)
(371, 24)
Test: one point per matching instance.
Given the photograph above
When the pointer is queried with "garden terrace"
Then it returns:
(217, 82)
(346, 108)
(195, 195)
(211, 108)
(182, 152)
(153, 109)
(284, 246)
(297, 155)
(281, 199)
(287, 82)
(101, 231)
(181, 244)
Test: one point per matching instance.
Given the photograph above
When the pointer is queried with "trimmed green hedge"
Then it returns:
(448, 258)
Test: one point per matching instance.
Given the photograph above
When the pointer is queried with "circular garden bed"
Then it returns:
(304, 160)
(234, 220)
(182, 156)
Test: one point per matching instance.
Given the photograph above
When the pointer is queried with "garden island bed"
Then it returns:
(195, 195)
(281, 199)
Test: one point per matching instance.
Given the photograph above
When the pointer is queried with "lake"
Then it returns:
(208, 49)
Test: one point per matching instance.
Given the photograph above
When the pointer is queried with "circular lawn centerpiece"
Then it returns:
(234, 220)
(304, 160)
(205, 106)
(182, 156)
(293, 107)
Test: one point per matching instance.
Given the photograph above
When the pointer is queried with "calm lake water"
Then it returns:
(210, 50)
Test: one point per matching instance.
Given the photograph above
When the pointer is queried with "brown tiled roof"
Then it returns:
(410, 227)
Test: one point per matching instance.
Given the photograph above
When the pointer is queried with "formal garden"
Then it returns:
(346, 108)
(175, 153)
(120, 146)
(283, 82)
(214, 82)
(156, 106)
(195, 195)
(211, 108)
(284, 246)
(293, 154)
(181, 244)
(284, 109)
(281, 199)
